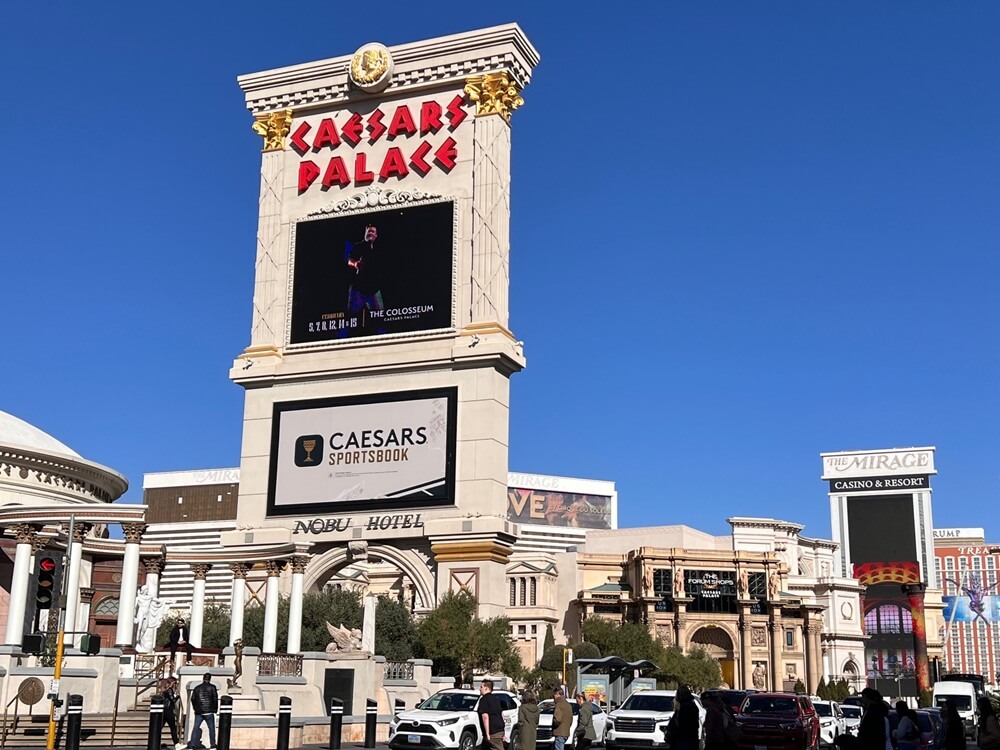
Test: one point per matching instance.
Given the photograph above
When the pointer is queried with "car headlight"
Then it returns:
(447, 722)
(788, 725)
(662, 728)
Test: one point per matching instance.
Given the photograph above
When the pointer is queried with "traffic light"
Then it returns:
(90, 643)
(44, 590)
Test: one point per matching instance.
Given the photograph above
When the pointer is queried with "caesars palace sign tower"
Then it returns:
(377, 385)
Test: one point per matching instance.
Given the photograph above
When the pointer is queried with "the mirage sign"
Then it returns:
(380, 451)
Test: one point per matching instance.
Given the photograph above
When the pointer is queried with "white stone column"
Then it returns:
(86, 599)
(271, 606)
(238, 601)
(200, 571)
(80, 531)
(19, 583)
(153, 567)
(125, 633)
(295, 604)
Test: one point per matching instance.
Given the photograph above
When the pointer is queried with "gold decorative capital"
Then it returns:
(274, 568)
(25, 533)
(240, 570)
(154, 565)
(273, 128)
(494, 94)
(133, 532)
(299, 563)
(80, 531)
(200, 570)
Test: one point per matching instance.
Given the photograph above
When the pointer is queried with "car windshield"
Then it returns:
(770, 705)
(643, 702)
(851, 712)
(962, 702)
(823, 709)
(449, 702)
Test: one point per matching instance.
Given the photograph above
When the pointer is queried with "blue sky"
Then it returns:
(742, 234)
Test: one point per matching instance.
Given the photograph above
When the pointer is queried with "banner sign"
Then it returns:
(592, 685)
(868, 484)
(373, 273)
(549, 508)
(379, 451)
(969, 609)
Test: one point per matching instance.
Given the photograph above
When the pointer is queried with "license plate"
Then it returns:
(414, 739)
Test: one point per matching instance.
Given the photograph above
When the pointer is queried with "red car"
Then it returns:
(777, 721)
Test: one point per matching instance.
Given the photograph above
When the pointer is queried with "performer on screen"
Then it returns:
(365, 289)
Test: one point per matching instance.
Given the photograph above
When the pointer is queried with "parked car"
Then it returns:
(929, 729)
(448, 720)
(733, 698)
(547, 708)
(778, 721)
(642, 720)
(832, 722)
(939, 728)
(852, 717)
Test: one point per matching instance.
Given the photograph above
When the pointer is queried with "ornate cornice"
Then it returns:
(418, 66)
(59, 513)
(373, 197)
(76, 479)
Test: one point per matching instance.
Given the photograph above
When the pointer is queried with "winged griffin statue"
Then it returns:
(343, 639)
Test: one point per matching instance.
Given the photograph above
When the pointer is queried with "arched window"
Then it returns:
(107, 607)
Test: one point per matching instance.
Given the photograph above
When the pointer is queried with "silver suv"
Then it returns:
(642, 720)
(448, 720)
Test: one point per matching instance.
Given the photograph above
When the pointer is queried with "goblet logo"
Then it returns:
(305, 447)
(308, 446)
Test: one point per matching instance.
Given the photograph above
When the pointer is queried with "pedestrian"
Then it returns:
(716, 724)
(527, 722)
(180, 636)
(562, 720)
(585, 733)
(168, 690)
(205, 704)
(954, 727)
(873, 730)
(491, 713)
(989, 729)
(685, 725)
(907, 731)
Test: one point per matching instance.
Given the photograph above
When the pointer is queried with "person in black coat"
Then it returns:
(685, 725)
(204, 705)
(180, 636)
(873, 731)
(168, 689)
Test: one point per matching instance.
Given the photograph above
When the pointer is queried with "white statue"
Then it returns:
(149, 615)
(344, 639)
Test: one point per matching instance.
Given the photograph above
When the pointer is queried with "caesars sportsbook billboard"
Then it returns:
(373, 273)
(388, 450)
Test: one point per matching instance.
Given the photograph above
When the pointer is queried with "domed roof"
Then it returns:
(17, 432)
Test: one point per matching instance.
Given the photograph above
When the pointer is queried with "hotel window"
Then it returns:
(522, 629)
(524, 592)
(534, 592)
(790, 638)
(513, 592)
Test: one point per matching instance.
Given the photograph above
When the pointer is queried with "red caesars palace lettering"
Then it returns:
(423, 135)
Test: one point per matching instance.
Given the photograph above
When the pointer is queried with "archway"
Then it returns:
(378, 568)
(718, 644)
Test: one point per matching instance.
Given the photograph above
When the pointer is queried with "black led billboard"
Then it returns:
(375, 273)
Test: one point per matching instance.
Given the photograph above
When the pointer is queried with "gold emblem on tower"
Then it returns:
(273, 128)
(494, 94)
(371, 68)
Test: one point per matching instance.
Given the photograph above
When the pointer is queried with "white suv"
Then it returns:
(448, 720)
(642, 720)
(832, 722)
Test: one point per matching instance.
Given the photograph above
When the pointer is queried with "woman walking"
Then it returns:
(527, 722)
